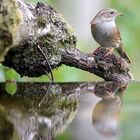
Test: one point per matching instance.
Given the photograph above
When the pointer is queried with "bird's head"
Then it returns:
(108, 14)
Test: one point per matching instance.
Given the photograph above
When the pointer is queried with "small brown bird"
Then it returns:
(106, 33)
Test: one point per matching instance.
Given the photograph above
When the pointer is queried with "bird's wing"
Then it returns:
(117, 38)
(120, 48)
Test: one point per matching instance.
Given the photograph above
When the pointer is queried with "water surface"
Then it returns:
(70, 111)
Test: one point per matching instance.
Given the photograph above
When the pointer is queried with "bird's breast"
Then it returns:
(106, 29)
(103, 32)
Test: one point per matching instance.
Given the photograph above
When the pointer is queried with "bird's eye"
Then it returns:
(111, 12)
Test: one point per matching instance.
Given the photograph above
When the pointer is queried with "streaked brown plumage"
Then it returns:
(106, 33)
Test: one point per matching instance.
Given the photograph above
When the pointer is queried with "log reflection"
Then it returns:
(44, 110)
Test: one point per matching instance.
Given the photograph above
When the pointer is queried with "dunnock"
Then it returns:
(106, 33)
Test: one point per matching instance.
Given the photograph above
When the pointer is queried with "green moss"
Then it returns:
(60, 31)
(60, 36)
(15, 17)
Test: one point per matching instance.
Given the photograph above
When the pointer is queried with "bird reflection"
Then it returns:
(105, 115)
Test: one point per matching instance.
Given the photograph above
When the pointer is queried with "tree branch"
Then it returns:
(109, 67)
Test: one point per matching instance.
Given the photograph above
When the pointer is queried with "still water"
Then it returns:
(70, 111)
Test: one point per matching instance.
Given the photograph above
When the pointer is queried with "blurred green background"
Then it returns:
(79, 13)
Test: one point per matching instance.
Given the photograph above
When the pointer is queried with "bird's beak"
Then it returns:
(120, 14)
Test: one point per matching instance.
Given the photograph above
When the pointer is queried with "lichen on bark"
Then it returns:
(54, 32)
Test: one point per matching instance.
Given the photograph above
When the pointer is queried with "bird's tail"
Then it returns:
(123, 54)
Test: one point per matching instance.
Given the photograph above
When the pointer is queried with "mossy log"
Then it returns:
(42, 27)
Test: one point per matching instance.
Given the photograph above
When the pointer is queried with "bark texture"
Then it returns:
(43, 27)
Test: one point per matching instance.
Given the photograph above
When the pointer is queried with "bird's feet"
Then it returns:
(110, 94)
(110, 51)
